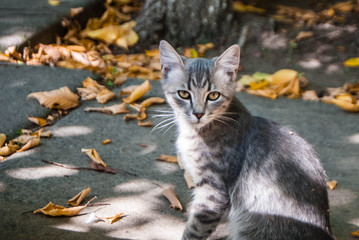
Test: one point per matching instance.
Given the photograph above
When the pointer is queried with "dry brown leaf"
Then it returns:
(88, 93)
(23, 139)
(310, 95)
(75, 11)
(30, 144)
(39, 121)
(92, 153)
(61, 98)
(114, 109)
(170, 194)
(8, 149)
(89, 82)
(2, 158)
(188, 179)
(106, 141)
(145, 124)
(99, 167)
(112, 219)
(153, 53)
(138, 92)
(57, 210)
(152, 100)
(76, 200)
(130, 116)
(42, 133)
(2, 139)
(303, 35)
(137, 107)
(128, 90)
(167, 158)
(332, 184)
(348, 106)
(105, 95)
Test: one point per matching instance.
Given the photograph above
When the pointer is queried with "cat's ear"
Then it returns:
(229, 60)
(170, 59)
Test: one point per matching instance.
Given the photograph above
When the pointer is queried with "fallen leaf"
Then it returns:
(2, 139)
(167, 158)
(145, 124)
(138, 92)
(54, 2)
(352, 62)
(356, 233)
(128, 90)
(39, 121)
(76, 200)
(152, 100)
(42, 133)
(153, 53)
(30, 144)
(8, 149)
(170, 194)
(310, 95)
(105, 95)
(2, 158)
(112, 219)
(188, 179)
(75, 11)
(303, 35)
(130, 116)
(348, 106)
(114, 109)
(57, 210)
(106, 141)
(240, 7)
(332, 184)
(61, 98)
(99, 167)
(92, 153)
(23, 139)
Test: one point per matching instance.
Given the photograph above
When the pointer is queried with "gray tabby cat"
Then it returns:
(267, 176)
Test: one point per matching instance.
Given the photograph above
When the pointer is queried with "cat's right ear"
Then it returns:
(170, 59)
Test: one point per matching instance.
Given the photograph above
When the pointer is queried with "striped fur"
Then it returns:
(265, 175)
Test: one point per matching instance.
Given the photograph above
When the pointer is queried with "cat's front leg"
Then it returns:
(207, 208)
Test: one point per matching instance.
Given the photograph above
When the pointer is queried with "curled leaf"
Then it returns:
(310, 95)
(92, 153)
(112, 219)
(30, 144)
(352, 62)
(61, 98)
(2, 139)
(145, 124)
(106, 141)
(114, 109)
(57, 210)
(76, 200)
(39, 121)
(332, 184)
(188, 179)
(138, 92)
(152, 100)
(170, 194)
(99, 167)
(8, 149)
(105, 95)
(167, 158)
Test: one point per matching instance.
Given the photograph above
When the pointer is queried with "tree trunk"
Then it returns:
(184, 22)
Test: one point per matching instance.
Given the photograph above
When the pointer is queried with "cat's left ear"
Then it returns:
(170, 59)
(229, 60)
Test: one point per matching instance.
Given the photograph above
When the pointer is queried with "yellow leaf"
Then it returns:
(153, 53)
(54, 2)
(8, 149)
(61, 98)
(106, 141)
(128, 90)
(2, 139)
(152, 100)
(352, 62)
(348, 106)
(188, 179)
(170, 194)
(240, 7)
(89, 82)
(23, 139)
(41, 133)
(30, 144)
(138, 92)
(39, 121)
(356, 233)
(167, 158)
(258, 85)
(283, 76)
(303, 35)
(92, 153)
(112, 219)
(310, 95)
(57, 210)
(76, 200)
(332, 184)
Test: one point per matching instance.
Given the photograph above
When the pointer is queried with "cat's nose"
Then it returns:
(198, 115)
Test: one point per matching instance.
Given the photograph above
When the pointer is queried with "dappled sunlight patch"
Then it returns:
(354, 139)
(70, 131)
(354, 222)
(22, 154)
(135, 186)
(310, 63)
(34, 173)
(148, 149)
(74, 225)
(341, 197)
(166, 168)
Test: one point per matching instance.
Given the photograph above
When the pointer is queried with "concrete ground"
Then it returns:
(27, 183)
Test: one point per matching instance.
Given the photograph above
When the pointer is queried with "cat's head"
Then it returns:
(198, 90)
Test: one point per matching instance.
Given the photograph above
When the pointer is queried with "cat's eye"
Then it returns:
(184, 94)
(213, 96)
